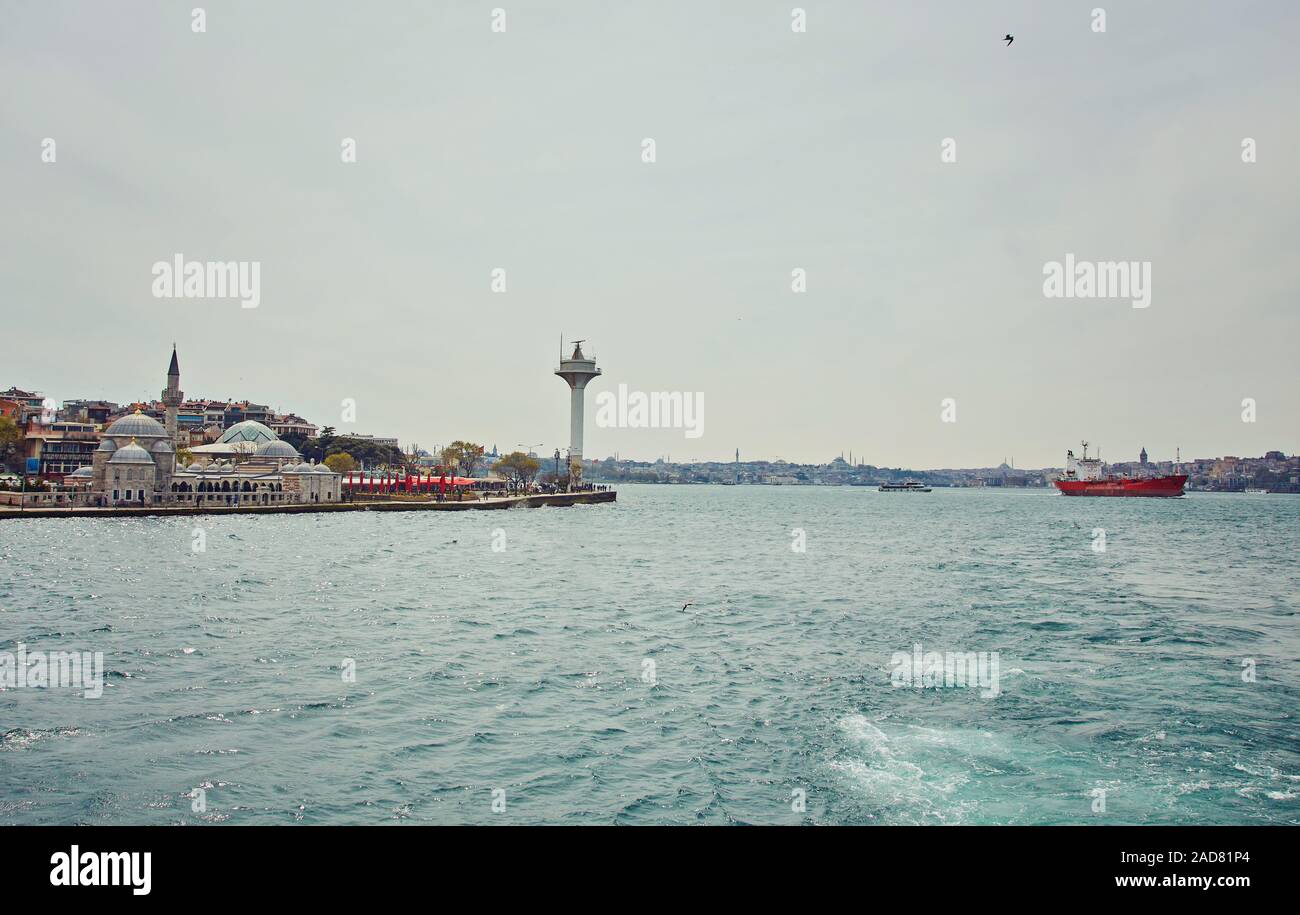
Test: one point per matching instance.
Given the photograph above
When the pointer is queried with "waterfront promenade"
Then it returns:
(397, 504)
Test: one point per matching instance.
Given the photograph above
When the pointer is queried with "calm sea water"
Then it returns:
(521, 675)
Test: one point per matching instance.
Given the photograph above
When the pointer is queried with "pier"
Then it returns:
(559, 500)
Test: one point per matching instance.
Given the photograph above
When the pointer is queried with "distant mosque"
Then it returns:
(135, 464)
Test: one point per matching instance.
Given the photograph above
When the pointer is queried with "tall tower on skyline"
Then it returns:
(172, 396)
(577, 370)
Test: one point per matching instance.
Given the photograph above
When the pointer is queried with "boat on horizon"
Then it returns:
(1087, 476)
(906, 486)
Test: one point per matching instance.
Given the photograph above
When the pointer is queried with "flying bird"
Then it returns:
(689, 603)
(1010, 38)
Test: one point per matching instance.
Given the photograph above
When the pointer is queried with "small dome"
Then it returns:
(247, 431)
(321, 468)
(298, 468)
(107, 445)
(83, 473)
(162, 445)
(137, 425)
(130, 454)
(277, 449)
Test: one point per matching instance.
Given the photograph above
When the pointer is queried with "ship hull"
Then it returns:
(1159, 487)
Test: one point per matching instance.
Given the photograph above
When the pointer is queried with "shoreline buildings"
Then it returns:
(134, 463)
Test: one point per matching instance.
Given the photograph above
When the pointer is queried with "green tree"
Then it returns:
(341, 462)
(296, 439)
(11, 439)
(518, 467)
(371, 453)
(464, 456)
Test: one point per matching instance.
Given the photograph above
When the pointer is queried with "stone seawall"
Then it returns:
(558, 499)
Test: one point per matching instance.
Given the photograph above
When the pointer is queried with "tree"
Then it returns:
(184, 456)
(518, 467)
(341, 462)
(372, 453)
(11, 438)
(463, 456)
(296, 439)
(364, 451)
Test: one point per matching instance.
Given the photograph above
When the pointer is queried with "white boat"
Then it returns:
(908, 486)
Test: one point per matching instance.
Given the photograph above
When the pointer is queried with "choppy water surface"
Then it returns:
(525, 669)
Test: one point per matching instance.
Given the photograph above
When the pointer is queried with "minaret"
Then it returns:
(172, 396)
(577, 370)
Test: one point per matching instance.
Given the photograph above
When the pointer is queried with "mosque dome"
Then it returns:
(161, 446)
(130, 454)
(82, 473)
(107, 445)
(321, 468)
(277, 449)
(137, 425)
(248, 431)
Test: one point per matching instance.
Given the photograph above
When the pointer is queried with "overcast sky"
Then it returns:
(774, 151)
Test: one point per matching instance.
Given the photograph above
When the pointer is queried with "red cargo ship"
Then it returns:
(1086, 476)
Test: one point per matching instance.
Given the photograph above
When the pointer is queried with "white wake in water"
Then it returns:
(914, 774)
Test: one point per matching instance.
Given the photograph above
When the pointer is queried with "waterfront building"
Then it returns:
(134, 464)
(390, 440)
(244, 411)
(29, 403)
(60, 447)
(87, 411)
(292, 424)
(239, 441)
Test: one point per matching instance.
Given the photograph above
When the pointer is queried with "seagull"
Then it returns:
(1010, 38)
(689, 603)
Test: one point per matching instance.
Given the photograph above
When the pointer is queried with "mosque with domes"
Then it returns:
(135, 465)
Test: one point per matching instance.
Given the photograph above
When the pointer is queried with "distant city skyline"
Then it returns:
(775, 151)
